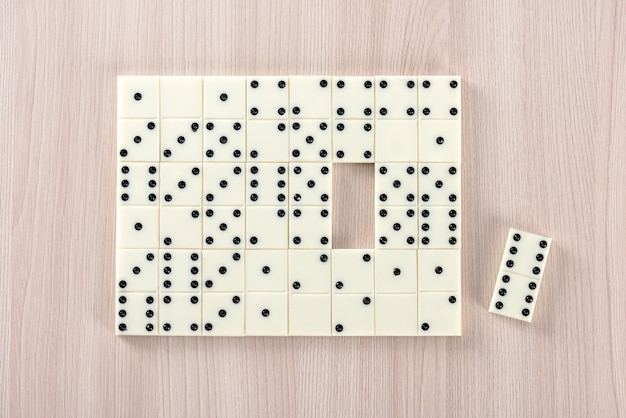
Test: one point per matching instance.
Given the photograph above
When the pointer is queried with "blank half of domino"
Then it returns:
(520, 275)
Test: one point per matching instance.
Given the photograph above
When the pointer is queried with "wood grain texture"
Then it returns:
(544, 150)
(353, 205)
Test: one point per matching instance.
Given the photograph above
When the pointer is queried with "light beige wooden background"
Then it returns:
(544, 150)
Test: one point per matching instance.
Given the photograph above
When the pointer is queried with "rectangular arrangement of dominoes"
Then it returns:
(224, 196)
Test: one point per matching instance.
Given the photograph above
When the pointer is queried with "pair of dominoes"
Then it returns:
(418, 205)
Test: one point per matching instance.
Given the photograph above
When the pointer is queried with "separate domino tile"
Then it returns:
(309, 271)
(440, 140)
(223, 184)
(396, 140)
(223, 227)
(223, 314)
(309, 314)
(310, 140)
(137, 184)
(396, 314)
(439, 184)
(137, 227)
(224, 97)
(440, 227)
(309, 97)
(520, 274)
(353, 314)
(136, 314)
(353, 97)
(396, 227)
(396, 271)
(515, 296)
(224, 140)
(223, 270)
(266, 184)
(181, 140)
(137, 270)
(310, 227)
(267, 97)
(266, 270)
(396, 97)
(179, 270)
(266, 313)
(310, 183)
(266, 227)
(137, 97)
(525, 254)
(268, 141)
(396, 184)
(352, 271)
(138, 140)
(181, 97)
(180, 314)
(439, 313)
(181, 227)
(353, 141)
(439, 97)
(439, 270)
(181, 184)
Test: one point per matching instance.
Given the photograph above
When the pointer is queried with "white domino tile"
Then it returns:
(224, 140)
(137, 313)
(137, 97)
(396, 140)
(353, 314)
(138, 140)
(309, 271)
(223, 271)
(309, 314)
(352, 271)
(396, 314)
(137, 269)
(396, 97)
(439, 313)
(439, 97)
(181, 140)
(440, 140)
(138, 184)
(268, 140)
(310, 140)
(395, 271)
(179, 270)
(353, 97)
(266, 270)
(520, 275)
(353, 141)
(180, 227)
(267, 313)
(396, 227)
(181, 97)
(223, 313)
(181, 184)
(137, 227)
(309, 97)
(224, 97)
(224, 208)
(180, 313)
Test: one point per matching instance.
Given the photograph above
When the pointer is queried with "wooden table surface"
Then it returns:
(544, 150)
